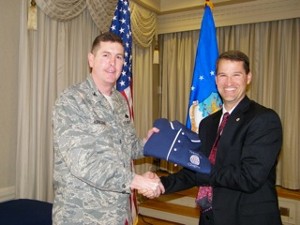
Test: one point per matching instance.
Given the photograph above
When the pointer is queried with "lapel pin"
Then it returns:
(237, 119)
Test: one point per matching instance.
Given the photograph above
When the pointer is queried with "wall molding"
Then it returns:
(7, 193)
(242, 13)
(292, 209)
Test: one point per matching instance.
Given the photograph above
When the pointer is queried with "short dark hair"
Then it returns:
(105, 37)
(235, 55)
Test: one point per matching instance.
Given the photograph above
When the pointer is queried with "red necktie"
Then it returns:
(213, 153)
(204, 197)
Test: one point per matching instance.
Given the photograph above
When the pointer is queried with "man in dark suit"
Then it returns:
(242, 179)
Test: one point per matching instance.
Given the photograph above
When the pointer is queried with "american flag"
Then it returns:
(121, 26)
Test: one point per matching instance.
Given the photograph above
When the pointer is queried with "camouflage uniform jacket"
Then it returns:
(93, 148)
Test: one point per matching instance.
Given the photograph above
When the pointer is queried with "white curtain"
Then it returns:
(101, 11)
(274, 52)
(177, 51)
(143, 24)
(142, 98)
(51, 58)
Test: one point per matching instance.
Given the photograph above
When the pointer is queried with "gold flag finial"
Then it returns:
(209, 4)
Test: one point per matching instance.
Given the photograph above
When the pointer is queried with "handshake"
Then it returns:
(148, 184)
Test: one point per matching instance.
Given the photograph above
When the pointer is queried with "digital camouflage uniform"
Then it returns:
(93, 148)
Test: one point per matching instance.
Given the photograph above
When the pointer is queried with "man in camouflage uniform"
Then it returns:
(94, 144)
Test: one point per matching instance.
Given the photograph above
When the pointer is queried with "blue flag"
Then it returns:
(121, 26)
(204, 97)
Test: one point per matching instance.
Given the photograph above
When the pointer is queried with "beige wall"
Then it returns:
(9, 47)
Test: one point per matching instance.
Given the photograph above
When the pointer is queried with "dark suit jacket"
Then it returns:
(243, 178)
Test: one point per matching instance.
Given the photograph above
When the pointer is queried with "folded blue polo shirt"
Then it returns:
(177, 144)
